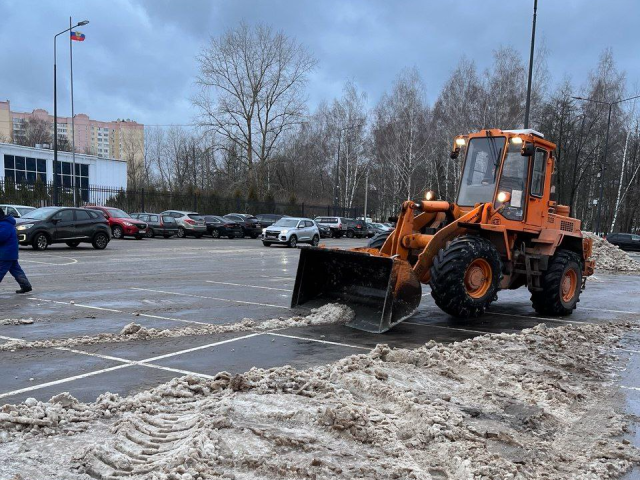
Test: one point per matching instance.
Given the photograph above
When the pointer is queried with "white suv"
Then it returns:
(291, 231)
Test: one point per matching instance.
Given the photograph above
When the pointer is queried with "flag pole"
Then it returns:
(73, 127)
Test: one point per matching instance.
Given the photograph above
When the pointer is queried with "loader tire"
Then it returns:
(465, 276)
(561, 284)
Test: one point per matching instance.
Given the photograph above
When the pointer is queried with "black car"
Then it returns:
(222, 227)
(44, 226)
(626, 241)
(356, 228)
(162, 225)
(251, 227)
(325, 231)
(268, 219)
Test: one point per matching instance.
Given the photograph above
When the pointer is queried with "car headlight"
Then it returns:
(128, 224)
(284, 232)
(24, 226)
(264, 231)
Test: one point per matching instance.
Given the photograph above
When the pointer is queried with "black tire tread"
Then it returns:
(547, 301)
(447, 276)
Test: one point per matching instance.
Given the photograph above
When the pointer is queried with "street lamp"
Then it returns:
(606, 148)
(533, 42)
(55, 110)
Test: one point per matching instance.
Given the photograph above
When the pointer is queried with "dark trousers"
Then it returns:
(13, 267)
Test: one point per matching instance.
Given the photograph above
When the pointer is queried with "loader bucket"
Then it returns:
(382, 291)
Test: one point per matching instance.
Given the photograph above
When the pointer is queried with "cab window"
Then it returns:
(514, 180)
(537, 173)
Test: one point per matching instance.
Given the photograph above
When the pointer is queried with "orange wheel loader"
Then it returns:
(504, 231)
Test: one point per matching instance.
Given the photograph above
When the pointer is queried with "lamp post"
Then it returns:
(533, 42)
(606, 148)
(55, 108)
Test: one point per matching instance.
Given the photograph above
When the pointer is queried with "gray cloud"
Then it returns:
(139, 57)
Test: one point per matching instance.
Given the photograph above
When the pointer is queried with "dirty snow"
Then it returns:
(331, 313)
(16, 321)
(611, 257)
(533, 405)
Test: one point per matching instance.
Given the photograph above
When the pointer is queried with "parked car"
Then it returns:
(121, 223)
(626, 241)
(381, 227)
(190, 224)
(336, 225)
(16, 211)
(291, 231)
(222, 227)
(251, 227)
(355, 228)
(325, 232)
(44, 226)
(268, 219)
(164, 225)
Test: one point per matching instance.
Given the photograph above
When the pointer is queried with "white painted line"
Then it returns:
(630, 388)
(113, 310)
(63, 380)
(192, 295)
(201, 347)
(627, 350)
(73, 262)
(319, 341)
(545, 319)
(448, 328)
(249, 286)
(609, 311)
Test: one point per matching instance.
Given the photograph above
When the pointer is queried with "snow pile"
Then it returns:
(611, 257)
(16, 321)
(532, 405)
(326, 314)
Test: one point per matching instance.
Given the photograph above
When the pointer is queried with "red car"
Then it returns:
(121, 223)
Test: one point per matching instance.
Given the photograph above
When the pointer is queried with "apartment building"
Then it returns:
(120, 139)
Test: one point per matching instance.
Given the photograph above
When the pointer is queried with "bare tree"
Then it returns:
(258, 77)
(36, 131)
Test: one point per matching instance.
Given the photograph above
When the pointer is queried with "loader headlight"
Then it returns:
(504, 197)
(429, 195)
(516, 140)
(460, 142)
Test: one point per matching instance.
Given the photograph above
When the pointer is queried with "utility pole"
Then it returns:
(366, 194)
(533, 42)
(73, 126)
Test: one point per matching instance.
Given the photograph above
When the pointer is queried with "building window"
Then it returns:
(25, 169)
(65, 178)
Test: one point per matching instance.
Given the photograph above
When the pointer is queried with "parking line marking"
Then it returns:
(249, 286)
(63, 380)
(447, 328)
(210, 298)
(318, 340)
(135, 314)
(630, 388)
(611, 311)
(201, 347)
(628, 350)
(546, 319)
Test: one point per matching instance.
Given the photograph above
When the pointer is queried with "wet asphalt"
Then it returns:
(171, 283)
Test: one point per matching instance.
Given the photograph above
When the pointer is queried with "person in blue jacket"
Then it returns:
(9, 253)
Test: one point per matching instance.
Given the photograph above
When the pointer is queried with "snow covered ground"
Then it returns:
(540, 404)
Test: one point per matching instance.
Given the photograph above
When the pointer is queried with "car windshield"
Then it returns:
(480, 170)
(41, 213)
(24, 210)
(286, 222)
(117, 213)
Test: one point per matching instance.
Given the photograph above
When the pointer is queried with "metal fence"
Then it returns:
(40, 194)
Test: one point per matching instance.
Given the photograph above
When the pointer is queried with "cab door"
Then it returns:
(537, 208)
(64, 225)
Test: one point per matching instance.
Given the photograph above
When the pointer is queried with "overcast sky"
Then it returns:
(138, 60)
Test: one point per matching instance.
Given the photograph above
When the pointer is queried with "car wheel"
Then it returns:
(266, 244)
(350, 234)
(73, 243)
(181, 233)
(117, 232)
(150, 233)
(215, 233)
(293, 241)
(315, 241)
(100, 241)
(40, 242)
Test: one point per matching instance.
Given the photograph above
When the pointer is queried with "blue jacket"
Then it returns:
(8, 238)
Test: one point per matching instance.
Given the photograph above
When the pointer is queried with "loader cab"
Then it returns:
(496, 162)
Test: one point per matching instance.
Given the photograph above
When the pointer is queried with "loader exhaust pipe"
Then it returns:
(382, 291)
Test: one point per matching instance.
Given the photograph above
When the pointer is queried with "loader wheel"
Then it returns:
(465, 276)
(561, 285)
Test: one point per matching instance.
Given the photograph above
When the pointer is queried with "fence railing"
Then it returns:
(41, 194)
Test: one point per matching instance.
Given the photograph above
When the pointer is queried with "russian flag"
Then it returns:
(77, 36)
